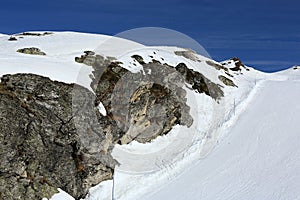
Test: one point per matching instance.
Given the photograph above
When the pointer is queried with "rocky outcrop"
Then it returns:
(143, 105)
(31, 51)
(11, 38)
(189, 54)
(227, 81)
(149, 103)
(139, 59)
(46, 142)
(34, 34)
(53, 136)
(199, 82)
(238, 65)
(217, 66)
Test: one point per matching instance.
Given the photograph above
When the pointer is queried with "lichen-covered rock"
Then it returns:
(45, 139)
(31, 51)
(227, 81)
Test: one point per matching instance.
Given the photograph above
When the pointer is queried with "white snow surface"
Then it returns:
(242, 147)
(258, 158)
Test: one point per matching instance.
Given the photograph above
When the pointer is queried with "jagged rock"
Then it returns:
(149, 105)
(189, 54)
(146, 105)
(31, 50)
(139, 59)
(228, 74)
(238, 64)
(91, 53)
(216, 65)
(199, 82)
(143, 107)
(53, 136)
(48, 141)
(227, 81)
(91, 59)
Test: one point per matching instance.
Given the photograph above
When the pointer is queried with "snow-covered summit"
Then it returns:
(167, 155)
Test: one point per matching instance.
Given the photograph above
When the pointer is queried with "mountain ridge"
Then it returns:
(122, 72)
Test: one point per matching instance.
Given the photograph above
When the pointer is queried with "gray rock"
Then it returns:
(31, 51)
(46, 141)
(199, 82)
(216, 65)
(227, 81)
(144, 106)
(139, 59)
(238, 65)
(189, 54)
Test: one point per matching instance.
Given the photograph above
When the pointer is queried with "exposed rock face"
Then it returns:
(238, 65)
(216, 65)
(139, 58)
(143, 105)
(32, 51)
(146, 105)
(91, 59)
(53, 136)
(199, 82)
(189, 54)
(227, 81)
(41, 148)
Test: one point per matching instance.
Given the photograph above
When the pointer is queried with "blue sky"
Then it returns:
(264, 34)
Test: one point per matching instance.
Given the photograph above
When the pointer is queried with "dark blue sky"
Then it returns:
(264, 34)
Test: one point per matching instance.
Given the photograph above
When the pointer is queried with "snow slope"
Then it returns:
(61, 49)
(257, 159)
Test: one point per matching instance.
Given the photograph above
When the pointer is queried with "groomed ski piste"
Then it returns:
(244, 147)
